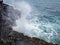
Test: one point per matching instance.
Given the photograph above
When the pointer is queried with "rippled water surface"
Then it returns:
(39, 18)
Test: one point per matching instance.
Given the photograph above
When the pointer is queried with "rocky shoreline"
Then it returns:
(10, 37)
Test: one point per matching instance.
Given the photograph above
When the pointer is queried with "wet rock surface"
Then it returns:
(10, 37)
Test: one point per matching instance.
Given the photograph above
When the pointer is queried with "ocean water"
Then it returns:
(39, 18)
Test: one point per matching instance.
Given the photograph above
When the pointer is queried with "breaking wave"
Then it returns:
(43, 23)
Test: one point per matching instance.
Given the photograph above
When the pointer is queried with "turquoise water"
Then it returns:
(39, 18)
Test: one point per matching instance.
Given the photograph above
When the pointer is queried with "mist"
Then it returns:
(40, 20)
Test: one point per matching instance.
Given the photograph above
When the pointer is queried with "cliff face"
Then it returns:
(10, 37)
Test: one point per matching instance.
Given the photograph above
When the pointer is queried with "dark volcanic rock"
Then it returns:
(10, 37)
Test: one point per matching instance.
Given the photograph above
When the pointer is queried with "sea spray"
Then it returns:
(41, 22)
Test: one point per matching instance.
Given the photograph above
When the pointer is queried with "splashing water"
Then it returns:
(38, 23)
